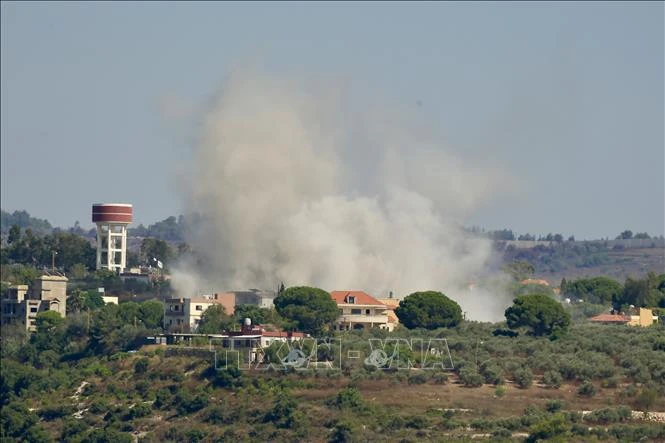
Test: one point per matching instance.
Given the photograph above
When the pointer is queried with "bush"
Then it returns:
(523, 377)
(417, 379)
(470, 378)
(141, 366)
(553, 405)
(552, 379)
(500, 391)
(348, 398)
(587, 389)
(646, 399)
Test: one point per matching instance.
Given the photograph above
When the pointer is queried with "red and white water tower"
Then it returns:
(112, 220)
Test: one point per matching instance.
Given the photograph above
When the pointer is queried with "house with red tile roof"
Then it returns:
(614, 319)
(359, 310)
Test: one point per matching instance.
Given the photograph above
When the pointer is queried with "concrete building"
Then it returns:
(184, 314)
(112, 220)
(359, 310)
(257, 297)
(22, 304)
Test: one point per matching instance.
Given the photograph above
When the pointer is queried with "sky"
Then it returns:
(98, 98)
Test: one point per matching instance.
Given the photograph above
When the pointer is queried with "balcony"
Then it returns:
(362, 318)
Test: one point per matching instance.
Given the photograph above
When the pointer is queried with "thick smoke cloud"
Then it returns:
(309, 186)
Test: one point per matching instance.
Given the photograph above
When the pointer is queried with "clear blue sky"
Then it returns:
(568, 97)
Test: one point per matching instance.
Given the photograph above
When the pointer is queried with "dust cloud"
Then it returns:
(312, 185)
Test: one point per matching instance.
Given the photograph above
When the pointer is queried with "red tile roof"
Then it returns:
(361, 298)
(610, 318)
(283, 334)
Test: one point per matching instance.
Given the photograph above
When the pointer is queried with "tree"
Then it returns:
(257, 314)
(428, 309)
(599, 290)
(311, 309)
(14, 234)
(542, 314)
(625, 235)
(646, 292)
(520, 269)
(151, 313)
(153, 248)
(642, 236)
(215, 320)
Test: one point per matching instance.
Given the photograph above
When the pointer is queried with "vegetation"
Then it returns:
(310, 310)
(429, 310)
(541, 314)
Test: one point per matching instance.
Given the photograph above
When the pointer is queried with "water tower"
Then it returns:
(112, 220)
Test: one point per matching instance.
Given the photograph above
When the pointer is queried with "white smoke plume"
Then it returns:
(310, 186)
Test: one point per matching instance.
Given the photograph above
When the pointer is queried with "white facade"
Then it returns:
(112, 246)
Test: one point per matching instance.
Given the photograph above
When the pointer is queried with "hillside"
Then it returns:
(501, 389)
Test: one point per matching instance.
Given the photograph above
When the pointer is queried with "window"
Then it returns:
(366, 311)
(33, 308)
(175, 308)
(355, 311)
(199, 307)
(351, 299)
(179, 321)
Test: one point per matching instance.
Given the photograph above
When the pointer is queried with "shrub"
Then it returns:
(470, 377)
(138, 411)
(141, 366)
(523, 377)
(553, 405)
(500, 391)
(552, 379)
(587, 389)
(440, 378)
(417, 379)
(646, 399)
(492, 374)
(348, 398)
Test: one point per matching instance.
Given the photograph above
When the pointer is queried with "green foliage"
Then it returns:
(523, 377)
(552, 379)
(215, 320)
(646, 399)
(543, 315)
(311, 309)
(16, 420)
(23, 220)
(587, 389)
(141, 366)
(519, 270)
(598, 290)
(470, 377)
(429, 310)
(153, 249)
(348, 398)
(646, 292)
(258, 315)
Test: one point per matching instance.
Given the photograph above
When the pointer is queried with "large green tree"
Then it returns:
(428, 309)
(599, 290)
(215, 320)
(648, 292)
(542, 314)
(310, 309)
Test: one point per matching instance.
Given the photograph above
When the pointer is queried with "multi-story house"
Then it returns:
(359, 310)
(184, 314)
(22, 304)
